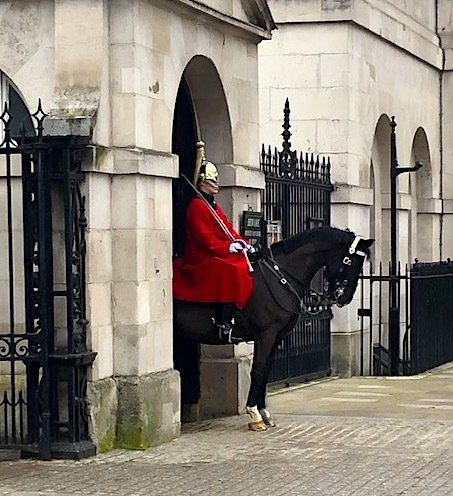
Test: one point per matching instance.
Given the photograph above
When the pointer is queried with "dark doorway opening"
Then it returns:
(186, 353)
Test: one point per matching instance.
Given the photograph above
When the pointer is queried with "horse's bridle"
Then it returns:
(339, 283)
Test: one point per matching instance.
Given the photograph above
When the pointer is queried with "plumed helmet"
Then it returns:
(204, 170)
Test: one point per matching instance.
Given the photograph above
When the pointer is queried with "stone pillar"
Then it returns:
(134, 393)
(445, 31)
(148, 393)
(350, 209)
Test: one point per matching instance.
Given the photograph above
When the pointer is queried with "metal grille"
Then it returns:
(297, 198)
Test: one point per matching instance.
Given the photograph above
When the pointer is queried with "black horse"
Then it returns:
(281, 280)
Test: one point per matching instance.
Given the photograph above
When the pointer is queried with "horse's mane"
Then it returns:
(316, 235)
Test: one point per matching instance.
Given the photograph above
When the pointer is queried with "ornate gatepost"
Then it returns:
(44, 410)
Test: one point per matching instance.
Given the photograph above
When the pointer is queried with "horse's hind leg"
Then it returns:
(262, 352)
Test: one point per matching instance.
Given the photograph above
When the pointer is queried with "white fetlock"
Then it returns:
(256, 423)
(267, 419)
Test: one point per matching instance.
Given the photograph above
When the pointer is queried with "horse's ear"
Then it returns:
(367, 243)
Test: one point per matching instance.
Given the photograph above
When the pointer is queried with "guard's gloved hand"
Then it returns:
(250, 249)
(236, 247)
(254, 253)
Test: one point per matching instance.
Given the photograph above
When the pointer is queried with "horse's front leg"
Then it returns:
(260, 369)
(267, 419)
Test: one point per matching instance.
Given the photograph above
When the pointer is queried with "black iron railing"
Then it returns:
(425, 306)
(296, 198)
(431, 302)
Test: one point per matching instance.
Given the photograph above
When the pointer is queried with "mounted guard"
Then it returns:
(215, 266)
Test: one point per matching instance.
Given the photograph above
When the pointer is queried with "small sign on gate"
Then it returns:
(273, 231)
(252, 226)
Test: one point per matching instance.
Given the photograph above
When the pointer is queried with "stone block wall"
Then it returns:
(343, 66)
(118, 84)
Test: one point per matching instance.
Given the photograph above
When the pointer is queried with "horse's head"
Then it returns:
(343, 269)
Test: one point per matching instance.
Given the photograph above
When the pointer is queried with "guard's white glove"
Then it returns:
(236, 247)
(250, 249)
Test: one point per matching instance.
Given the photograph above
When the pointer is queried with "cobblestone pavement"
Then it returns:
(305, 455)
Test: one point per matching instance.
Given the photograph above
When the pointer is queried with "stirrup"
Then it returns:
(225, 331)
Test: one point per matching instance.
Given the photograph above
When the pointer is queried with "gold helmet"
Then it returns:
(204, 170)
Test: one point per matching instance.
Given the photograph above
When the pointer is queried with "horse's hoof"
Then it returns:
(269, 422)
(257, 426)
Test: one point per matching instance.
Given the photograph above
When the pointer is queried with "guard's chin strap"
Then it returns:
(353, 248)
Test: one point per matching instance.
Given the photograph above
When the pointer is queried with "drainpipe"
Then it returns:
(441, 128)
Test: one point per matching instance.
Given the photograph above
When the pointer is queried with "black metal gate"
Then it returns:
(297, 198)
(43, 353)
(425, 306)
(431, 332)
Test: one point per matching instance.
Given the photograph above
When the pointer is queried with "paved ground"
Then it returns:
(340, 437)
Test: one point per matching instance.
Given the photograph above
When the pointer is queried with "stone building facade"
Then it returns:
(112, 70)
(347, 66)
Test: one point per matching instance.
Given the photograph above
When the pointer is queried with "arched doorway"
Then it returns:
(380, 181)
(201, 113)
(426, 229)
(21, 121)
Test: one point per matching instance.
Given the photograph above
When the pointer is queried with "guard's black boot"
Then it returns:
(224, 321)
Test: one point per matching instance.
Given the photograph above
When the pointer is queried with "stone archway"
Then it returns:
(380, 182)
(211, 109)
(13, 99)
(426, 228)
(201, 113)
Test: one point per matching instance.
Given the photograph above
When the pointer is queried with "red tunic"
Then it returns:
(208, 272)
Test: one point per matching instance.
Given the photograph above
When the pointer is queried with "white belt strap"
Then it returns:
(353, 248)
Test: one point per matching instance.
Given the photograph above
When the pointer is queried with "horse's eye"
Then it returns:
(345, 282)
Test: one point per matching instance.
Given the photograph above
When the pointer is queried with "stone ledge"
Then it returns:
(132, 161)
(240, 175)
(429, 206)
(382, 19)
(68, 126)
(196, 8)
(345, 193)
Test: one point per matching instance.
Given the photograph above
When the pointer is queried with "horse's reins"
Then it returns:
(275, 270)
(283, 277)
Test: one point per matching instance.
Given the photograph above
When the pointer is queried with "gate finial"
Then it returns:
(39, 117)
(286, 132)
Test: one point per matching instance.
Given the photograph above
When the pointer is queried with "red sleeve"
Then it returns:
(206, 229)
